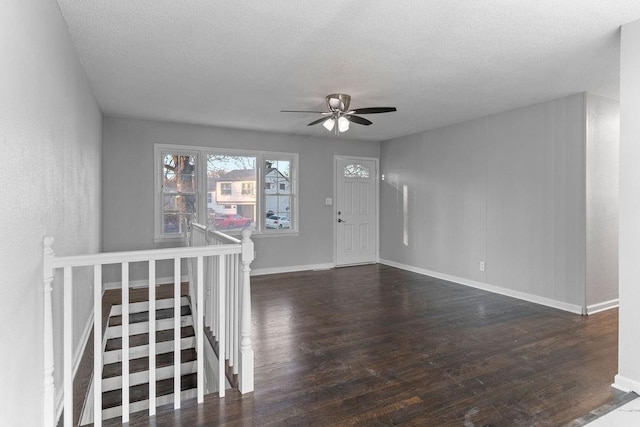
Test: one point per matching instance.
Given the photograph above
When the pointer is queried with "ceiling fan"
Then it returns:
(340, 115)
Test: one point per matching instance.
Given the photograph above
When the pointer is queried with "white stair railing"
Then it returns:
(227, 306)
(219, 255)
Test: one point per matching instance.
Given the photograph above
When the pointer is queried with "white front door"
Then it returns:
(356, 211)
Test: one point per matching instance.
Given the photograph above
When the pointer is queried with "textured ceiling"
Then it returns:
(238, 63)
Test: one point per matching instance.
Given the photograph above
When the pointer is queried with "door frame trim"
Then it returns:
(376, 160)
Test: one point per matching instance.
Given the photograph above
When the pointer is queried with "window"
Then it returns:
(278, 199)
(238, 171)
(231, 189)
(225, 188)
(178, 193)
(247, 188)
(356, 171)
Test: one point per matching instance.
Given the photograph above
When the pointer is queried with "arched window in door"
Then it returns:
(354, 170)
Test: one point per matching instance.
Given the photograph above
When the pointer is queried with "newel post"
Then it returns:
(246, 347)
(49, 388)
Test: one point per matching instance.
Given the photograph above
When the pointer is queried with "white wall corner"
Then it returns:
(536, 299)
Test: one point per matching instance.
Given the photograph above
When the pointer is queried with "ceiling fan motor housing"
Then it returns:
(338, 102)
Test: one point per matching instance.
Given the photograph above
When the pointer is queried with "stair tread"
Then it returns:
(164, 313)
(143, 339)
(140, 392)
(142, 364)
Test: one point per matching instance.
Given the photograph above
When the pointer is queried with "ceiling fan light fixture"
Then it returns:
(329, 124)
(343, 124)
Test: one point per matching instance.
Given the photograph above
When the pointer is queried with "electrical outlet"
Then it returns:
(482, 265)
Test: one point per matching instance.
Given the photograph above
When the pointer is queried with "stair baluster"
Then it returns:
(176, 333)
(152, 338)
(68, 346)
(97, 343)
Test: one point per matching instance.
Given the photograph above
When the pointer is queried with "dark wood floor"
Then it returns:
(374, 345)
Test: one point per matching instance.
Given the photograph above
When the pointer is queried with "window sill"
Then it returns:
(278, 234)
(236, 233)
(260, 234)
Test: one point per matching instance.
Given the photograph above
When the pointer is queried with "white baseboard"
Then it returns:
(143, 283)
(291, 269)
(572, 308)
(602, 306)
(625, 384)
(77, 358)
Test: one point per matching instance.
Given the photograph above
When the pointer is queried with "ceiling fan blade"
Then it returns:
(303, 111)
(373, 110)
(315, 122)
(359, 120)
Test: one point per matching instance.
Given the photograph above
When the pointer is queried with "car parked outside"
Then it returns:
(231, 221)
(275, 221)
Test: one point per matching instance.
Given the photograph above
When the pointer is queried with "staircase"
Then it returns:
(216, 314)
(139, 359)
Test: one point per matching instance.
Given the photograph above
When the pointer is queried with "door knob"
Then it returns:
(341, 220)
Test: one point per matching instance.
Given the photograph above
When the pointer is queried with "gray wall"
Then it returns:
(128, 186)
(603, 139)
(50, 133)
(507, 189)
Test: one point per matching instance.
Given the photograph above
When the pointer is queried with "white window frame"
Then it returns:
(202, 154)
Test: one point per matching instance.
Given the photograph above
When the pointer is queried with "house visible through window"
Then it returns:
(236, 174)
(279, 197)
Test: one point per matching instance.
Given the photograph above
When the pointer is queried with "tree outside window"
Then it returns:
(179, 192)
